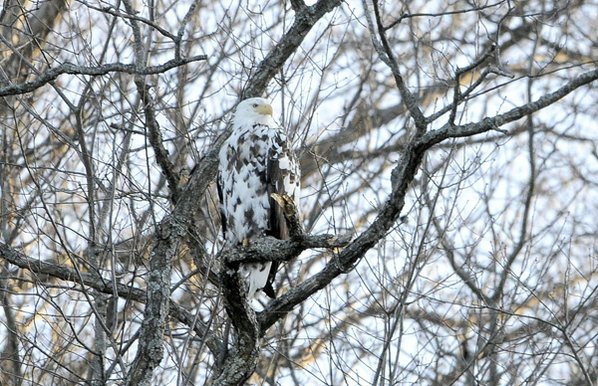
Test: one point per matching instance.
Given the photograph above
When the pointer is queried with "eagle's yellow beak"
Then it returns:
(264, 109)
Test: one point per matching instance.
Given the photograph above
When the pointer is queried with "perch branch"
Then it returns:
(268, 248)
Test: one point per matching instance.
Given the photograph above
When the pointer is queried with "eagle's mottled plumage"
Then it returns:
(255, 161)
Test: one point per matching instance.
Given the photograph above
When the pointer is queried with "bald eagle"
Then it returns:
(255, 162)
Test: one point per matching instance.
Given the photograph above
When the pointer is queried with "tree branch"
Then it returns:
(407, 96)
(458, 97)
(155, 138)
(103, 69)
(240, 361)
(493, 123)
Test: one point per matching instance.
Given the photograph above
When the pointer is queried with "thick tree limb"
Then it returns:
(239, 363)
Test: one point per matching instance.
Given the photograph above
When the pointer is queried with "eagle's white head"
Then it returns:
(252, 111)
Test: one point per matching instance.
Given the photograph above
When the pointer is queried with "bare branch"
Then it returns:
(239, 362)
(457, 95)
(406, 95)
(103, 69)
(495, 122)
(155, 138)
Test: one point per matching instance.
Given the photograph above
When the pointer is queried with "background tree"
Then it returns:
(455, 143)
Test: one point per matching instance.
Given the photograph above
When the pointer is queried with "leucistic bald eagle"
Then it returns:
(254, 162)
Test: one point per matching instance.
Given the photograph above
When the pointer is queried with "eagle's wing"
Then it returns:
(282, 176)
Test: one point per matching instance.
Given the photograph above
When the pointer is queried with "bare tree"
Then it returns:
(447, 230)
